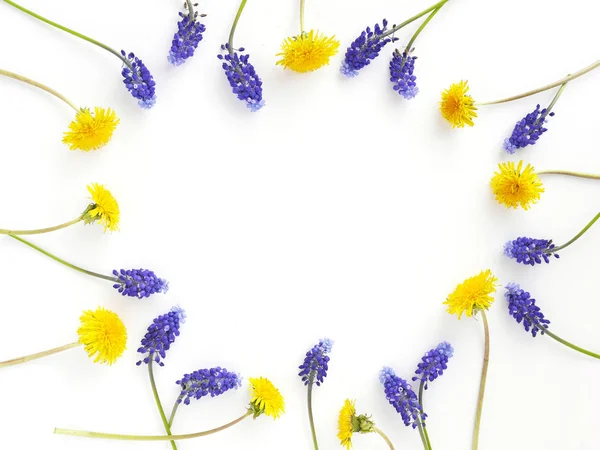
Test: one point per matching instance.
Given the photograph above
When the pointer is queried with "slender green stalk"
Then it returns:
(24, 359)
(190, 7)
(43, 230)
(581, 233)
(158, 402)
(569, 344)
(564, 80)
(425, 434)
(68, 30)
(591, 176)
(423, 25)
(552, 103)
(484, 370)
(62, 261)
(385, 438)
(412, 19)
(234, 26)
(310, 414)
(43, 87)
(302, 16)
(421, 429)
(135, 437)
(174, 410)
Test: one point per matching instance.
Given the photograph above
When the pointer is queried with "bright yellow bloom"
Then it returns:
(345, 426)
(266, 398)
(515, 188)
(105, 208)
(91, 131)
(472, 295)
(103, 335)
(457, 107)
(307, 51)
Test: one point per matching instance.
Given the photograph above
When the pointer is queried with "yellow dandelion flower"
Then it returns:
(103, 335)
(307, 52)
(266, 398)
(91, 131)
(513, 187)
(345, 425)
(457, 107)
(472, 295)
(105, 208)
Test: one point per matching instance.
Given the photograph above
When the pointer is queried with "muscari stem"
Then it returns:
(425, 434)
(421, 429)
(385, 438)
(486, 361)
(43, 87)
(136, 437)
(234, 25)
(423, 25)
(302, 16)
(569, 344)
(174, 410)
(592, 176)
(412, 19)
(310, 415)
(543, 88)
(190, 7)
(43, 230)
(62, 261)
(581, 233)
(68, 30)
(553, 102)
(158, 402)
(24, 359)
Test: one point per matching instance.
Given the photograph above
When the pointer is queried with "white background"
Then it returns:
(338, 210)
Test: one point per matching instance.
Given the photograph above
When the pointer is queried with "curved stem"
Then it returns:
(423, 25)
(581, 233)
(23, 359)
(68, 30)
(385, 438)
(543, 88)
(174, 410)
(412, 19)
(486, 361)
(190, 7)
(62, 261)
(158, 402)
(310, 415)
(425, 434)
(234, 25)
(135, 437)
(43, 230)
(570, 173)
(302, 16)
(569, 344)
(43, 87)
(553, 102)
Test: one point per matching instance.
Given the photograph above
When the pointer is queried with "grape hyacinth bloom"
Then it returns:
(139, 283)
(138, 80)
(523, 308)
(401, 396)
(528, 130)
(203, 382)
(402, 66)
(242, 77)
(530, 251)
(186, 39)
(160, 335)
(434, 363)
(315, 363)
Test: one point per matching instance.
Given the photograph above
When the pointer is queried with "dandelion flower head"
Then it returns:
(346, 424)
(457, 107)
(104, 208)
(307, 52)
(91, 131)
(265, 398)
(103, 335)
(514, 187)
(472, 295)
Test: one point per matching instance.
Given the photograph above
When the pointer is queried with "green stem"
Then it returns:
(422, 434)
(234, 26)
(553, 102)
(310, 414)
(174, 410)
(43, 230)
(484, 370)
(158, 402)
(423, 25)
(385, 438)
(570, 173)
(412, 19)
(569, 344)
(62, 261)
(24, 359)
(425, 434)
(136, 437)
(302, 16)
(68, 30)
(581, 233)
(190, 7)
(43, 87)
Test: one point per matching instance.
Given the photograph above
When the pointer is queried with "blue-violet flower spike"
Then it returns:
(528, 130)
(139, 81)
(203, 382)
(365, 48)
(160, 335)
(530, 251)
(402, 66)
(139, 283)
(315, 363)
(523, 308)
(187, 38)
(434, 363)
(401, 396)
(242, 77)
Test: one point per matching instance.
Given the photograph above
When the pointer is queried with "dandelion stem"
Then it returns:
(425, 434)
(43, 87)
(484, 370)
(543, 88)
(591, 176)
(234, 26)
(310, 414)
(43, 230)
(302, 16)
(581, 233)
(423, 25)
(136, 437)
(62, 261)
(569, 344)
(385, 438)
(23, 359)
(157, 400)
(174, 410)
(412, 19)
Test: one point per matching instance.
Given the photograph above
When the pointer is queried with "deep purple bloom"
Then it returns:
(530, 251)
(242, 77)
(434, 363)
(401, 396)
(160, 335)
(527, 130)
(203, 382)
(187, 38)
(315, 363)
(139, 283)
(402, 66)
(139, 81)
(523, 308)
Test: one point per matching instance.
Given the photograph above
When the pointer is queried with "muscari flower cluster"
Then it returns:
(140, 283)
(138, 81)
(201, 383)
(186, 39)
(242, 77)
(402, 66)
(528, 130)
(160, 335)
(315, 363)
(433, 363)
(530, 251)
(400, 395)
(523, 308)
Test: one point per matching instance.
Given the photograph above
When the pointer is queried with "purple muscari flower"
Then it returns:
(523, 308)
(139, 283)
(160, 335)
(401, 396)
(402, 66)
(187, 38)
(203, 382)
(530, 251)
(365, 48)
(434, 363)
(528, 130)
(315, 362)
(139, 81)
(242, 77)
